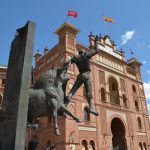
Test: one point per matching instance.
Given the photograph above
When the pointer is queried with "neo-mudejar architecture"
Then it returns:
(118, 97)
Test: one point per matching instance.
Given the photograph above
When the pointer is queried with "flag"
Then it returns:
(108, 19)
(72, 13)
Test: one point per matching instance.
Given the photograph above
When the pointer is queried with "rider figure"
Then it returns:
(83, 64)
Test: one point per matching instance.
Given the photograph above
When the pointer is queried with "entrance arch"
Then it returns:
(118, 132)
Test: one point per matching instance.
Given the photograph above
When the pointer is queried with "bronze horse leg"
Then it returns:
(64, 109)
(54, 112)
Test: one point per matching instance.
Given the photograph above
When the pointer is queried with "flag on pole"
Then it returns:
(73, 13)
(108, 19)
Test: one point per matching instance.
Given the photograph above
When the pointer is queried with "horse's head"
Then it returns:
(63, 75)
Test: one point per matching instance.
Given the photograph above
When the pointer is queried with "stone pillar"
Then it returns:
(109, 144)
(107, 93)
(16, 93)
(120, 97)
(121, 100)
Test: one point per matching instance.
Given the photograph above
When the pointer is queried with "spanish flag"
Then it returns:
(108, 19)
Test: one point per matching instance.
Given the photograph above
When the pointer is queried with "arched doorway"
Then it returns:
(144, 145)
(84, 145)
(118, 131)
(140, 146)
(92, 145)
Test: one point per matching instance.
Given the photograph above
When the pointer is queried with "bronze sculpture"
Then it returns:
(82, 62)
(47, 96)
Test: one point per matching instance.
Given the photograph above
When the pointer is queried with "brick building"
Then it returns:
(3, 70)
(118, 96)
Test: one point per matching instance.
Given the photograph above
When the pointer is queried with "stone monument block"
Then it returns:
(13, 116)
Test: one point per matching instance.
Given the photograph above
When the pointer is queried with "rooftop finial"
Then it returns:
(45, 50)
(38, 51)
(121, 51)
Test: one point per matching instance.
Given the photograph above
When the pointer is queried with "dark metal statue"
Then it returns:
(83, 64)
(47, 96)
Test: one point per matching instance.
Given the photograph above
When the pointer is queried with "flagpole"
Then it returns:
(108, 19)
(104, 23)
(104, 27)
(67, 17)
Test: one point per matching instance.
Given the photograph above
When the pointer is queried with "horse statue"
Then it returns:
(47, 96)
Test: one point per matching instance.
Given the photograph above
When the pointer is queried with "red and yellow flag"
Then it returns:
(108, 19)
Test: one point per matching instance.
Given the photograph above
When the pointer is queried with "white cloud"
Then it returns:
(127, 36)
(144, 62)
(147, 90)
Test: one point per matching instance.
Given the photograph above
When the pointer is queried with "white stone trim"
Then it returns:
(110, 113)
(141, 133)
(83, 128)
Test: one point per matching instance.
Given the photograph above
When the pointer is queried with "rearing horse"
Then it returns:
(47, 96)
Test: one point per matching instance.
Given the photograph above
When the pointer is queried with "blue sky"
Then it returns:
(131, 30)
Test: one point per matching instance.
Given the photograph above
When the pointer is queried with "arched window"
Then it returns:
(0, 99)
(103, 94)
(139, 123)
(3, 81)
(124, 100)
(84, 145)
(144, 145)
(140, 146)
(134, 88)
(113, 89)
(92, 145)
(136, 105)
(86, 114)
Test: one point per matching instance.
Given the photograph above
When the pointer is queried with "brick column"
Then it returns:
(107, 93)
